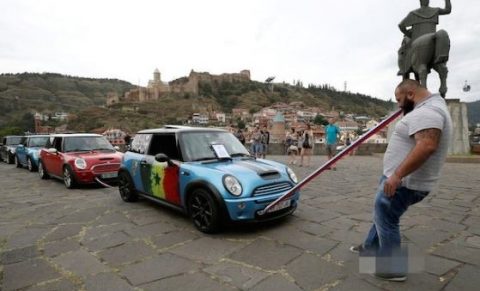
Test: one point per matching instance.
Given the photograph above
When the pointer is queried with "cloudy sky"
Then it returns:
(315, 41)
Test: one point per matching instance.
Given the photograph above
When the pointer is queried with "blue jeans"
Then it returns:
(384, 235)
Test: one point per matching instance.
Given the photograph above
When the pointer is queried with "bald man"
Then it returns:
(411, 167)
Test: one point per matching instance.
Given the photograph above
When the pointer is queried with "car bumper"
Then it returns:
(90, 177)
(247, 209)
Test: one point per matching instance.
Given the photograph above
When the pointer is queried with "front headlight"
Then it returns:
(292, 175)
(232, 185)
(80, 163)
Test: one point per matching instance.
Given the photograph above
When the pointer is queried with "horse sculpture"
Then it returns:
(420, 55)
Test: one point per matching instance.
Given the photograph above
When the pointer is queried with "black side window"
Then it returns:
(164, 143)
(57, 143)
(140, 143)
(23, 141)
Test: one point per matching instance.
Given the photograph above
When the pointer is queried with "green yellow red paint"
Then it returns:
(161, 181)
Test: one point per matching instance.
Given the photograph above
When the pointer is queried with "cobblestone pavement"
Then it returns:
(52, 238)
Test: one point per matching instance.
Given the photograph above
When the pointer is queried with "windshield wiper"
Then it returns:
(103, 149)
(78, 150)
(204, 159)
(239, 155)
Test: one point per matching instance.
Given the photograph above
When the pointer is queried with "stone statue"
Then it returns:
(423, 47)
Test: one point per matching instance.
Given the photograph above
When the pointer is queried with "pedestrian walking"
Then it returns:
(332, 134)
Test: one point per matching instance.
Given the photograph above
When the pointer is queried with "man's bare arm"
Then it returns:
(426, 143)
(447, 9)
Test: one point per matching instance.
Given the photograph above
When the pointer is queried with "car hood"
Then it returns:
(248, 168)
(98, 156)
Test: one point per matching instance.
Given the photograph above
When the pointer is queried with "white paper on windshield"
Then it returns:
(220, 151)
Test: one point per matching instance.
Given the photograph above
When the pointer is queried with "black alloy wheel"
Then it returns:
(42, 172)
(126, 187)
(10, 158)
(204, 211)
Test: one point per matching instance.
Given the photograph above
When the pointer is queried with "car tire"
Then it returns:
(30, 165)
(10, 158)
(68, 178)
(204, 211)
(42, 172)
(17, 162)
(126, 187)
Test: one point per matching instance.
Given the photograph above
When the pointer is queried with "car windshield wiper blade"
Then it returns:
(204, 159)
(240, 155)
(79, 150)
(103, 149)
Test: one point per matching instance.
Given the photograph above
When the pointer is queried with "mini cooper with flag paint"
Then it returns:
(28, 151)
(207, 174)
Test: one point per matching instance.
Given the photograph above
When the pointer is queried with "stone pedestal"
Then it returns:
(460, 144)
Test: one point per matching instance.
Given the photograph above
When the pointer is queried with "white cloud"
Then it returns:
(318, 42)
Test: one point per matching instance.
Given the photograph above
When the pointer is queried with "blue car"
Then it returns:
(26, 154)
(205, 173)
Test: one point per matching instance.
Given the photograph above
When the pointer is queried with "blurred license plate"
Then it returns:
(109, 175)
(280, 206)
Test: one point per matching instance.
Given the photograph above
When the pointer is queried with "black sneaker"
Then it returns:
(391, 277)
(357, 249)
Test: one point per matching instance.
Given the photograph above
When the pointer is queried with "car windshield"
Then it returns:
(13, 140)
(87, 143)
(38, 141)
(197, 146)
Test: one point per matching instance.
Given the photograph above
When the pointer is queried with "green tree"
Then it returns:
(241, 124)
(319, 119)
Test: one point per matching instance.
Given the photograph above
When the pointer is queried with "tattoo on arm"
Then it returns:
(431, 135)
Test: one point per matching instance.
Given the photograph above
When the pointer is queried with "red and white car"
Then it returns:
(79, 159)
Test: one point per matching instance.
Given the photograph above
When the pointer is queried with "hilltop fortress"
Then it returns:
(156, 87)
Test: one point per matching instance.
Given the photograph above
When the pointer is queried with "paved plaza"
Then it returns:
(52, 238)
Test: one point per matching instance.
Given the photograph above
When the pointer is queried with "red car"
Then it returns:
(79, 159)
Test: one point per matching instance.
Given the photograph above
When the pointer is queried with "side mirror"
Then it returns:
(52, 150)
(162, 158)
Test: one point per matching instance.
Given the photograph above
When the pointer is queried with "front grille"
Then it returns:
(272, 188)
(103, 168)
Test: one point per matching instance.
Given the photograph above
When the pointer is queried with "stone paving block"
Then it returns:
(312, 272)
(80, 262)
(424, 237)
(467, 278)
(207, 249)
(172, 238)
(459, 252)
(26, 237)
(18, 255)
(112, 218)
(27, 273)
(108, 241)
(83, 215)
(99, 231)
(59, 247)
(303, 240)
(106, 281)
(266, 254)
(354, 283)
(439, 266)
(414, 282)
(129, 252)
(57, 285)
(276, 283)
(64, 231)
(315, 228)
(160, 267)
(150, 229)
(196, 281)
(237, 275)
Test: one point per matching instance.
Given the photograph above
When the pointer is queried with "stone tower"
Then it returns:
(156, 76)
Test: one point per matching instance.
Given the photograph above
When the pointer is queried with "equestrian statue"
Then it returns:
(423, 47)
